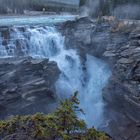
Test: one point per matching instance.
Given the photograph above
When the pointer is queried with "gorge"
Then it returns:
(45, 42)
(41, 64)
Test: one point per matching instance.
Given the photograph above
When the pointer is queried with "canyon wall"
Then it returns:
(119, 47)
(19, 6)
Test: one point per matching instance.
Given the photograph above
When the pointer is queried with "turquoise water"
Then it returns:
(43, 20)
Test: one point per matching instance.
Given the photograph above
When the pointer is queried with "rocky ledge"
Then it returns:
(27, 86)
(117, 42)
(123, 90)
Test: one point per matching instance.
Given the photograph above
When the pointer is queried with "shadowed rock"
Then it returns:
(27, 86)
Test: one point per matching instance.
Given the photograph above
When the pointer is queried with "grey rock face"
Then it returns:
(123, 90)
(88, 36)
(27, 86)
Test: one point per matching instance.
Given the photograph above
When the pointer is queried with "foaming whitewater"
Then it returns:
(47, 42)
(96, 78)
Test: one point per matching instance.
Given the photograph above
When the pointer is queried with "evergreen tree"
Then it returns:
(63, 124)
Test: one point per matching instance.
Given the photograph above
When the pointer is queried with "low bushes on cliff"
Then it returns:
(63, 124)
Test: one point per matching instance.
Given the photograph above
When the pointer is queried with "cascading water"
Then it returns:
(47, 42)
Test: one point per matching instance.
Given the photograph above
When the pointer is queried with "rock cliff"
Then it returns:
(27, 86)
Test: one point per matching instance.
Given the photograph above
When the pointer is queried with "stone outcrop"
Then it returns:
(27, 86)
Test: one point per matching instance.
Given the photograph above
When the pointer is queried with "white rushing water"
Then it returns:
(47, 42)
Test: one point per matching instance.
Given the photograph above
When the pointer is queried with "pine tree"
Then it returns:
(67, 118)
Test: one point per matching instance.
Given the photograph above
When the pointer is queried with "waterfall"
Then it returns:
(47, 42)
